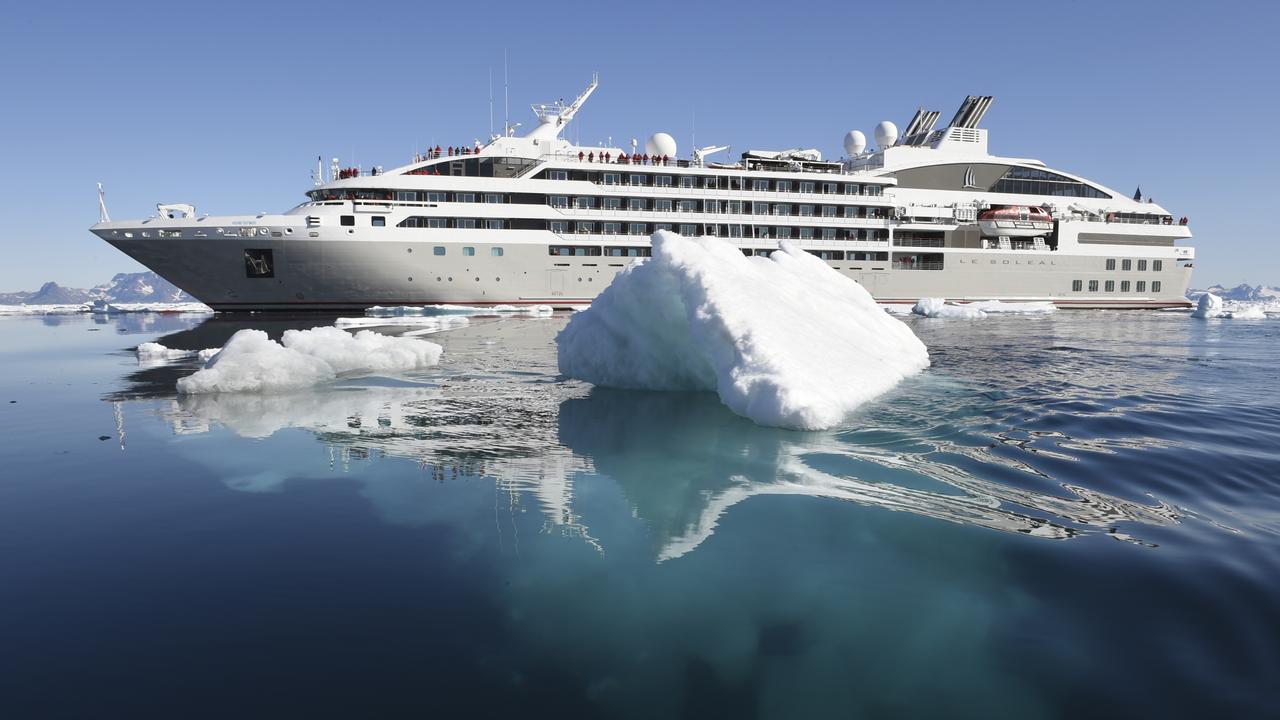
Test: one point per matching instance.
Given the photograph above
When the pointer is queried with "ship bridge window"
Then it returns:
(499, 167)
(1034, 181)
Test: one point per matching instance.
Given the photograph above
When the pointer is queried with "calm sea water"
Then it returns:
(1067, 516)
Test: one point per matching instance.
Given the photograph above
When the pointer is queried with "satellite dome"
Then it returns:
(854, 142)
(660, 144)
(886, 134)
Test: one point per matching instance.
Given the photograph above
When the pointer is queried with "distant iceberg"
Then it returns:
(252, 362)
(784, 340)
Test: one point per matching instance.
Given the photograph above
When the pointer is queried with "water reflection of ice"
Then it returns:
(681, 459)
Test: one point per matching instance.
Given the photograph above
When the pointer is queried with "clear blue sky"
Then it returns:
(226, 105)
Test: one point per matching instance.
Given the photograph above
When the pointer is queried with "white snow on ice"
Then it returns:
(784, 340)
(938, 308)
(252, 362)
(424, 325)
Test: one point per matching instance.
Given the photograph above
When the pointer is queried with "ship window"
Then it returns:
(584, 202)
(407, 195)
(437, 197)
(259, 264)
(559, 201)
(347, 220)
(558, 226)
(759, 184)
(464, 197)
(1126, 264)
(662, 181)
(806, 211)
(612, 178)
(611, 203)
(661, 226)
(828, 254)
(627, 251)
(1111, 263)
(759, 208)
(378, 221)
(1093, 286)
(808, 187)
(1142, 265)
(495, 223)
(635, 204)
(1035, 181)
(782, 209)
(1155, 286)
(850, 189)
(828, 211)
(783, 186)
(688, 230)
(806, 233)
(559, 174)
(851, 211)
(782, 233)
(611, 228)
(829, 188)
(1142, 286)
(711, 206)
(637, 180)
(466, 223)
(585, 227)
(711, 182)
(1157, 266)
(468, 251)
(437, 250)
(687, 181)
(437, 222)
(688, 206)
(735, 207)
(1110, 286)
(493, 198)
(1124, 286)
(662, 205)
(1077, 285)
(637, 228)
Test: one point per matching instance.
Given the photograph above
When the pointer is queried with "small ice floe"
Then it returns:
(438, 310)
(1246, 312)
(102, 307)
(1209, 306)
(1000, 307)
(155, 352)
(423, 325)
(253, 362)
(784, 340)
(938, 308)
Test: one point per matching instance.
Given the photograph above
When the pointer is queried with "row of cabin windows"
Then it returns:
(1110, 286)
(644, 251)
(586, 227)
(1127, 264)
(732, 207)
(589, 227)
(432, 196)
(468, 251)
(714, 182)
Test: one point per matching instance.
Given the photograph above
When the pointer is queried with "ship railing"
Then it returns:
(928, 265)
(622, 214)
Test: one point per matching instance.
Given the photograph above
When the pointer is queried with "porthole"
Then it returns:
(288, 231)
(351, 232)
(408, 250)
(477, 279)
(410, 278)
(497, 279)
(437, 279)
(450, 279)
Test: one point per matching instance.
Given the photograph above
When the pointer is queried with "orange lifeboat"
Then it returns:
(1015, 221)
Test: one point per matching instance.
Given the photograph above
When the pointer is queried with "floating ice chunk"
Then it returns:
(252, 362)
(999, 307)
(425, 325)
(785, 340)
(938, 308)
(155, 352)
(1209, 306)
(205, 355)
(1247, 312)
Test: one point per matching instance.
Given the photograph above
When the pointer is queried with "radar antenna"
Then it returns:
(553, 117)
(102, 205)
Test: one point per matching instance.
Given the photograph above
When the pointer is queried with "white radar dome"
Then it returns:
(886, 134)
(854, 142)
(660, 144)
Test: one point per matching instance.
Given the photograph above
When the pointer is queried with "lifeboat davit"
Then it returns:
(1015, 221)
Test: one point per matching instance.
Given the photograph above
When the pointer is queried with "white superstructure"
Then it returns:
(538, 219)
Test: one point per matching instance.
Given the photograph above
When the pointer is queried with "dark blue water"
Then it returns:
(1068, 516)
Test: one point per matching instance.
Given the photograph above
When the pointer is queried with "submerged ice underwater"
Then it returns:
(1047, 514)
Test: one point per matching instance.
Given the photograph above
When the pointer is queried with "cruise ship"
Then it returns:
(537, 219)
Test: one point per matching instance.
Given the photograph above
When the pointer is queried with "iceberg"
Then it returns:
(1209, 306)
(784, 340)
(1247, 312)
(253, 362)
(938, 308)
